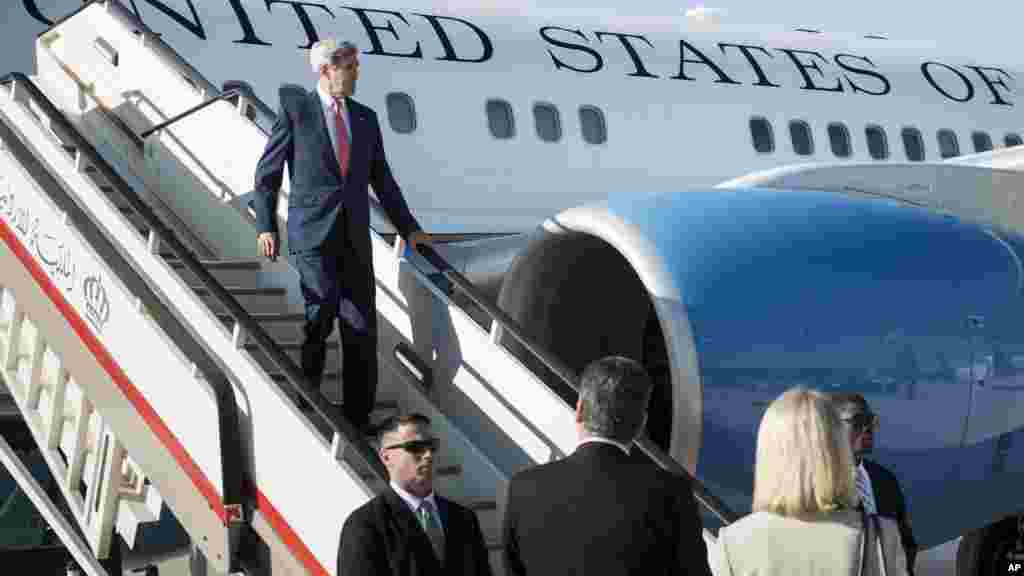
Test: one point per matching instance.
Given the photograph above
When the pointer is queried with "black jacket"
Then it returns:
(599, 511)
(383, 537)
(889, 502)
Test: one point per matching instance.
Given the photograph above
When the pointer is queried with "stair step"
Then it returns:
(268, 317)
(329, 375)
(243, 291)
(296, 346)
(241, 264)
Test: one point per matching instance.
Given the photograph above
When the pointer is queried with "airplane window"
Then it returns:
(982, 141)
(800, 133)
(592, 123)
(878, 147)
(545, 118)
(1013, 140)
(839, 137)
(761, 132)
(500, 119)
(401, 112)
(913, 144)
(948, 145)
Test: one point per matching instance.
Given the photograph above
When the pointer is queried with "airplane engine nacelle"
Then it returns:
(730, 297)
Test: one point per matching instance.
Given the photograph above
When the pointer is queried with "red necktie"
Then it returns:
(343, 145)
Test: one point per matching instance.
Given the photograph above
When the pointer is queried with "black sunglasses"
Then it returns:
(417, 447)
(862, 421)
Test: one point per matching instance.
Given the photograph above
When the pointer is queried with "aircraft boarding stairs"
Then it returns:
(156, 361)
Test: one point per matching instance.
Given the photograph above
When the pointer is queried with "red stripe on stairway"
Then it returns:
(288, 536)
(108, 363)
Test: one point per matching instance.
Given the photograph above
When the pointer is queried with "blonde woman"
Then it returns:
(805, 518)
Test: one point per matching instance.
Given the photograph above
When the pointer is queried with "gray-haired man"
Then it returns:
(334, 150)
(599, 511)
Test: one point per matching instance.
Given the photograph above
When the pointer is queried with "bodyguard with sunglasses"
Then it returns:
(880, 490)
(409, 530)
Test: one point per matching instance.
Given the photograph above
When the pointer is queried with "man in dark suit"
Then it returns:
(878, 487)
(409, 530)
(333, 148)
(599, 510)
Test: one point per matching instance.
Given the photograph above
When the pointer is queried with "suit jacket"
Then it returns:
(318, 192)
(383, 537)
(599, 511)
(768, 544)
(890, 503)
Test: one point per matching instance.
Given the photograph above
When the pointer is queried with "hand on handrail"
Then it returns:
(418, 237)
(268, 245)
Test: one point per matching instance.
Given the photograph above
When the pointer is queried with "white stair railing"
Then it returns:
(84, 360)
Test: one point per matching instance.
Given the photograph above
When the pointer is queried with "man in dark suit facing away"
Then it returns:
(409, 530)
(333, 148)
(599, 510)
(879, 490)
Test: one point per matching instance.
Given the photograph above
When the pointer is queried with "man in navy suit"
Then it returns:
(334, 150)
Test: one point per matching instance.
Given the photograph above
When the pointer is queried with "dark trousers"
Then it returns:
(336, 283)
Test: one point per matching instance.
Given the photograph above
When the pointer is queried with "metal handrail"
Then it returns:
(222, 96)
(355, 445)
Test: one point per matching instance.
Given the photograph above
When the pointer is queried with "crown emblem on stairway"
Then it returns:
(97, 305)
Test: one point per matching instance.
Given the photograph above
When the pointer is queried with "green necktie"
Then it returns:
(428, 520)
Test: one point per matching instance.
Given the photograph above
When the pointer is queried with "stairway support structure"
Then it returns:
(53, 349)
(72, 541)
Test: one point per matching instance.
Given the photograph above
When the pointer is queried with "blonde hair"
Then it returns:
(320, 54)
(804, 463)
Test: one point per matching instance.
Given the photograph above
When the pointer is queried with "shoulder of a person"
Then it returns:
(739, 529)
(452, 505)
(657, 476)
(367, 513)
(358, 107)
(876, 470)
(289, 93)
(539, 473)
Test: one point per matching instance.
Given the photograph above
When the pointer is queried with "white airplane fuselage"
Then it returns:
(677, 97)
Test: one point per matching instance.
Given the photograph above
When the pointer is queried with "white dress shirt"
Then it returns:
(602, 440)
(327, 103)
(415, 502)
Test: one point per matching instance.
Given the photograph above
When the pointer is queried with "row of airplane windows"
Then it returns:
(802, 139)
(547, 119)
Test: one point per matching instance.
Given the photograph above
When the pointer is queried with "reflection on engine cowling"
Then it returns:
(730, 297)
